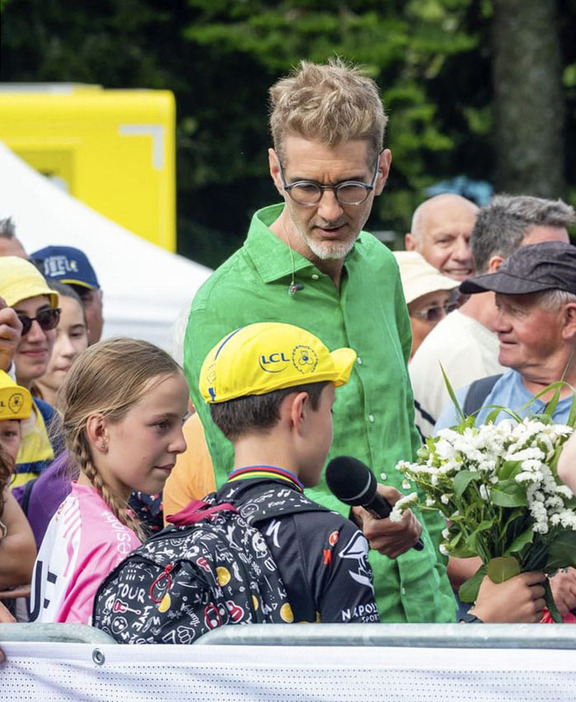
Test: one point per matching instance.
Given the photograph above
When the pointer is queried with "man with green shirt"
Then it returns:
(307, 262)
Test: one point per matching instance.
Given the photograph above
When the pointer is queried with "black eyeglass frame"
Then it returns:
(47, 319)
(368, 187)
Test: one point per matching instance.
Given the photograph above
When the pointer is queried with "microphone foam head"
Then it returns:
(350, 480)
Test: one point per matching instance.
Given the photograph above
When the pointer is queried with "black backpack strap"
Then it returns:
(478, 391)
(26, 494)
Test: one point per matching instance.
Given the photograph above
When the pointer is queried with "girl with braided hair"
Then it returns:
(121, 409)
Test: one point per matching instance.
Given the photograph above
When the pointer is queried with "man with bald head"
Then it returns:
(440, 232)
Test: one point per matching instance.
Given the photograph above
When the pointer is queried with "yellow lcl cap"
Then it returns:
(267, 356)
(15, 401)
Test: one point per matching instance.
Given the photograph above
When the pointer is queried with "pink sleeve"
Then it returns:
(102, 548)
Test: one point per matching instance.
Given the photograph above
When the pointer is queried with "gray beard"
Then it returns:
(329, 251)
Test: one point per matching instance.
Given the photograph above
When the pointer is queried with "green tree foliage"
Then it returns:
(431, 58)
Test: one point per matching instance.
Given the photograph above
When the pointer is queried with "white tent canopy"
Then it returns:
(146, 288)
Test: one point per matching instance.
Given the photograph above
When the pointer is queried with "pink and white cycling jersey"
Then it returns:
(83, 543)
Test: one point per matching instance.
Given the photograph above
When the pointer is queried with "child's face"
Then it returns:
(319, 436)
(141, 448)
(71, 340)
(10, 436)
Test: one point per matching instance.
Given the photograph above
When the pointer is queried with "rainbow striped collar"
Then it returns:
(266, 472)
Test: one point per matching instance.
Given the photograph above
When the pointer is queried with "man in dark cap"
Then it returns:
(536, 326)
(71, 266)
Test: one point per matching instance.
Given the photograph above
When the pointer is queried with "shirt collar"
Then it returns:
(273, 259)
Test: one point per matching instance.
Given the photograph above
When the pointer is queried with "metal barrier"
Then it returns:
(299, 663)
(61, 633)
(540, 636)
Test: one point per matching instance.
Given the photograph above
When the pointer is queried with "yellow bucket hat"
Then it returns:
(20, 279)
(15, 401)
(267, 356)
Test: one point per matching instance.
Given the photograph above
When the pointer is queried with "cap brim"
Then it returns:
(501, 282)
(81, 283)
(343, 360)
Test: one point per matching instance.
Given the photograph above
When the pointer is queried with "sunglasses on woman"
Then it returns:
(47, 319)
(435, 314)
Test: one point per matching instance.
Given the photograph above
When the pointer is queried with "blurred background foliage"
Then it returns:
(484, 89)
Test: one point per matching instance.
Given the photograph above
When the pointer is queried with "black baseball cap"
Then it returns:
(550, 265)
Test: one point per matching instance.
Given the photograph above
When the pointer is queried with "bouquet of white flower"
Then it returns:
(497, 486)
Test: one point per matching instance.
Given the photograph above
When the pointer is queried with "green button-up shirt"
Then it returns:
(373, 412)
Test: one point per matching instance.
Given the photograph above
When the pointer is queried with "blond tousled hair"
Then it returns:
(328, 103)
(108, 378)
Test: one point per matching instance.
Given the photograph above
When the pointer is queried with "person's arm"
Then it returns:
(517, 600)
(391, 539)
(17, 548)
(567, 463)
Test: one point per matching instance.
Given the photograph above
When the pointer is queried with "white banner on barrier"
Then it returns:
(107, 673)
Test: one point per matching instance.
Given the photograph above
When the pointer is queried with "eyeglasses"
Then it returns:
(309, 192)
(47, 319)
(435, 314)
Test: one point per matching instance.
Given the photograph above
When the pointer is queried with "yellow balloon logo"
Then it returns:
(165, 604)
(286, 613)
(223, 575)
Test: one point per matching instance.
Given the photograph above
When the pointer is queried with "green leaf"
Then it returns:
(463, 479)
(496, 409)
(525, 538)
(551, 406)
(509, 493)
(509, 470)
(452, 394)
(549, 599)
(501, 569)
(562, 553)
(468, 591)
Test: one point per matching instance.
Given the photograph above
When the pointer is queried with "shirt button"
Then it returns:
(359, 360)
(315, 276)
(403, 590)
(371, 417)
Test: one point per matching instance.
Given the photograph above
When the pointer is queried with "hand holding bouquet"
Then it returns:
(497, 486)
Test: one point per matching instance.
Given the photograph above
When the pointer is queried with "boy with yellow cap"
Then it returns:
(271, 388)
(17, 548)
(15, 405)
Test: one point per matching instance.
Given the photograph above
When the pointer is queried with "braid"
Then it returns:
(118, 507)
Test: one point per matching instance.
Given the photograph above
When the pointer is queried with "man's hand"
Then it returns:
(519, 599)
(563, 586)
(391, 539)
(10, 332)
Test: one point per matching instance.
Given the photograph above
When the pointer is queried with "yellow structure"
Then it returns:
(111, 149)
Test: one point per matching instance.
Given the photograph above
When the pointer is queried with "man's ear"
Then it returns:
(274, 167)
(494, 263)
(384, 162)
(569, 329)
(97, 432)
(410, 242)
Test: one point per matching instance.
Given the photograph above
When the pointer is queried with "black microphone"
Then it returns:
(353, 483)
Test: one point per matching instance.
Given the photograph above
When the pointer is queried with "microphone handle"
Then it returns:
(380, 508)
